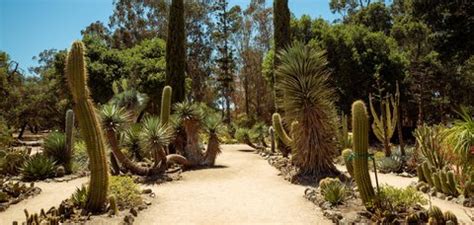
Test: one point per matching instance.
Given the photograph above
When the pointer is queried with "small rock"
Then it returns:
(441, 195)
(128, 219)
(147, 202)
(449, 198)
(146, 191)
(468, 203)
(425, 189)
(134, 212)
(142, 207)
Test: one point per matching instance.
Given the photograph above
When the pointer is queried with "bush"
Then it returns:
(333, 190)
(12, 160)
(55, 148)
(400, 199)
(125, 191)
(38, 167)
(5, 133)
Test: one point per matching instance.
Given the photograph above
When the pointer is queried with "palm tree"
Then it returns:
(302, 78)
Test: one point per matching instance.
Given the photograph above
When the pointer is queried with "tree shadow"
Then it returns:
(246, 150)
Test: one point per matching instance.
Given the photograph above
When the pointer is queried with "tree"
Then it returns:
(227, 24)
(176, 51)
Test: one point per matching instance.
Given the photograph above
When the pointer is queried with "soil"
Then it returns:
(241, 189)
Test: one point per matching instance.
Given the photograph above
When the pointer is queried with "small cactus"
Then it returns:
(113, 205)
(412, 218)
(436, 182)
(360, 129)
(427, 173)
(347, 156)
(419, 172)
(452, 183)
(449, 216)
(69, 140)
(280, 130)
(436, 213)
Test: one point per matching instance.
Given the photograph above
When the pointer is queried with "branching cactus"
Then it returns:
(385, 124)
(69, 140)
(280, 130)
(360, 140)
(89, 126)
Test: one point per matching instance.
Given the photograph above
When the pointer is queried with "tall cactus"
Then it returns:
(344, 133)
(89, 126)
(165, 105)
(360, 140)
(69, 140)
(385, 124)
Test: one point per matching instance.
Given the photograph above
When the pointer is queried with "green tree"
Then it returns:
(176, 51)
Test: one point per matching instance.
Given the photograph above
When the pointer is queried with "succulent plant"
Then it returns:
(89, 125)
(38, 167)
(333, 190)
(449, 216)
(347, 155)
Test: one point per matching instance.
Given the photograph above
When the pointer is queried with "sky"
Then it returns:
(28, 27)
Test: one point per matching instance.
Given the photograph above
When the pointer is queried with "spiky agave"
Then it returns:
(154, 138)
(130, 139)
(307, 98)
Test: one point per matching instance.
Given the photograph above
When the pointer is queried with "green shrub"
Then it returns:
(12, 160)
(5, 133)
(126, 192)
(55, 148)
(399, 199)
(38, 167)
(79, 197)
(333, 190)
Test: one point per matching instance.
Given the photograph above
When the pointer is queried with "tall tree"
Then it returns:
(176, 51)
(227, 24)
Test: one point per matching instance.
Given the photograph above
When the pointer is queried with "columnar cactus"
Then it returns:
(69, 139)
(280, 130)
(344, 136)
(427, 173)
(271, 131)
(436, 182)
(89, 126)
(360, 130)
(165, 105)
(419, 173)
(385, 124)
(449, 216)
(347, 156)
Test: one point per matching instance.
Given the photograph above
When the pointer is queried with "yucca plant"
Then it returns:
(191, 118)
(131, 139)
(79, 197)
(55, 147)
(154, 138)
(213, 125)
(307, 98)
(38, 167)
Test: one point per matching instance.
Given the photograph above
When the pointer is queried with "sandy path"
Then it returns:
(244, 189)
(401, 182)
(51, 195)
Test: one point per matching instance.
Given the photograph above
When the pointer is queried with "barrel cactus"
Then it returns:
(449, 216)
(360, 129)
(89, 125)
(347, 156)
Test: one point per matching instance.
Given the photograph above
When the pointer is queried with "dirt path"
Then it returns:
(244, 189)
(51, 195)
(401, 182)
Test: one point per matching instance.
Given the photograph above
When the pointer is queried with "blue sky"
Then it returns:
(28, 27)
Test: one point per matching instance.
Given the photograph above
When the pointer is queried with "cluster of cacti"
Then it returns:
(429, 141)
(450, 218)
(69, 140)
(347, 155)
(443, 180)
(89, 126)
(11, 190)
(52, 217)
(360, 132)
(436, 214)
(385, 124)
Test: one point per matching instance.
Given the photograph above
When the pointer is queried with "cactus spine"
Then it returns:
(360, 129)
(347, 156)
(69, 140)
(278, 126)
(90, 127)
(165, 105)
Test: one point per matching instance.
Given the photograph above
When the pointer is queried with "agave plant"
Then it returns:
(302, 78)
(154, 138)
(79, 197)
(128, 98)
(55, 147)
(38, 167)
(131, 140)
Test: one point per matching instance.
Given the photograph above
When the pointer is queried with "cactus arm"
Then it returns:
(165, 105)
(90, 127)
(278, 126)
